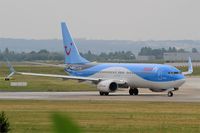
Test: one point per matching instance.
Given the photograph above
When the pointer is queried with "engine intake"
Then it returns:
(107, 86)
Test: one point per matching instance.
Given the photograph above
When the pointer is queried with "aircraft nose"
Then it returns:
(180, 82)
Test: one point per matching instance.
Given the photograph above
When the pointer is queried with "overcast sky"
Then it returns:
(101, 19)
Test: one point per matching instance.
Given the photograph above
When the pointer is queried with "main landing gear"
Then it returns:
(170, 94)
(133, 91)
(103, 93)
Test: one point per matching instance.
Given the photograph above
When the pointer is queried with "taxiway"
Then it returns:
(189, 92)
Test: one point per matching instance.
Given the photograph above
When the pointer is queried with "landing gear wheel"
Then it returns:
(103, 93)
(170, 94)
(106, 93)
(133, 91)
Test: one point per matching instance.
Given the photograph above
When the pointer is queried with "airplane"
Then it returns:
(109, 77)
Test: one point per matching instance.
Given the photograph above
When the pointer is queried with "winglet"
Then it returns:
(12, 71)
(190, 67)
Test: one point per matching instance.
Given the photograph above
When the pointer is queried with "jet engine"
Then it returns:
(107, 86)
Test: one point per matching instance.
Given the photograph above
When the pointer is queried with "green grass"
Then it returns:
(41, 83)
(196, 71)
(105, 116)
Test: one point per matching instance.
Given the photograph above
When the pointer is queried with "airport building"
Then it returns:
(172, 57)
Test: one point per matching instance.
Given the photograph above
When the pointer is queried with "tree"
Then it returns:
(145, 51)
(194, 50)
(174, 50)
(181, 50)
(4, 123)
(6, 52)
(43, 51)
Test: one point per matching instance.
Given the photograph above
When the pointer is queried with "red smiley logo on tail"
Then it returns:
(68, 51)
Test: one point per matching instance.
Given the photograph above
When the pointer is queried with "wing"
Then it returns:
(12, 72)
(94, 80)
(59, 76)
(46, 64)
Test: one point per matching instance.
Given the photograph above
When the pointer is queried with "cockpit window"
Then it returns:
(173, 73)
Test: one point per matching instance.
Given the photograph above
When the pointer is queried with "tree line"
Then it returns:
(119, 56)
(158, 53)
(58, 56)
(30, 56)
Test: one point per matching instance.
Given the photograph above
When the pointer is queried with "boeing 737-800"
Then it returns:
(109, 77)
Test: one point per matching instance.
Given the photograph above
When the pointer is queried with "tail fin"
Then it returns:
(72, 55)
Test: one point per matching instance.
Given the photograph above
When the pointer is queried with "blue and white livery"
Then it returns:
(109, 77)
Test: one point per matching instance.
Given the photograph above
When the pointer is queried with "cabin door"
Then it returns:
(160, 74)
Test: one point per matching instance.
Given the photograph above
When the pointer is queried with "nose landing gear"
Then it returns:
(170, 92)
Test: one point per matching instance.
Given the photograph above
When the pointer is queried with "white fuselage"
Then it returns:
(134, 80)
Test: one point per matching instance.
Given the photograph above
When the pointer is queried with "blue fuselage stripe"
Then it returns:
(151, 72)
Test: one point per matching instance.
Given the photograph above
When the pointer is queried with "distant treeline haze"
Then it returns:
(119, 56)
(158, 53)
(46, 55)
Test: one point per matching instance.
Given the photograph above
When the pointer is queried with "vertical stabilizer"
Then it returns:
(71, 52)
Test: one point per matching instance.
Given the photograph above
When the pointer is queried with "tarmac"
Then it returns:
(189, 92)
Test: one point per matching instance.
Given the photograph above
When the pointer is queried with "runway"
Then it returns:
(189, 92)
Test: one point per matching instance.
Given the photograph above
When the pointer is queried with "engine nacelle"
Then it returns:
(107, 86)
